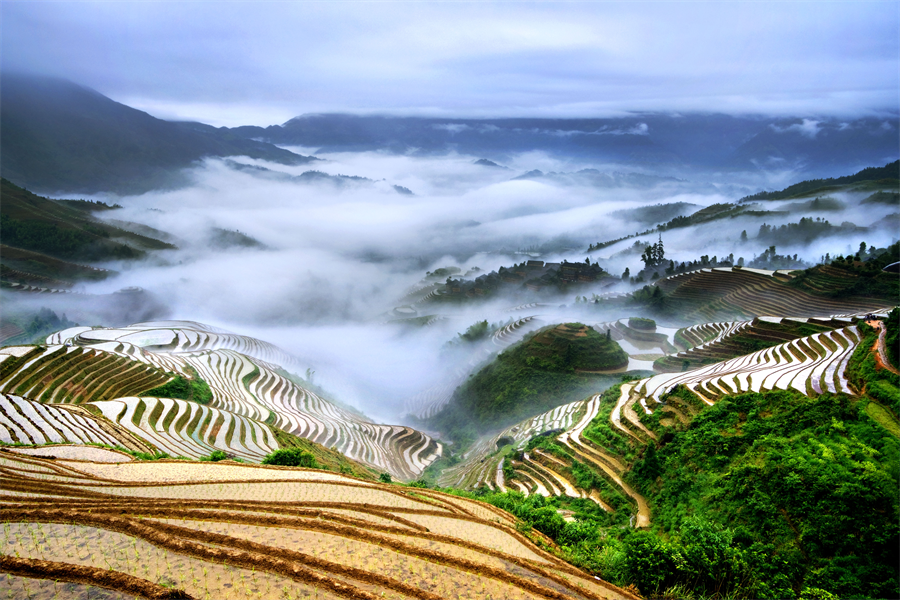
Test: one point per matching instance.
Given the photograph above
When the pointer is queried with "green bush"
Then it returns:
(291, 457)
(385, 478)
(642, 323)
(215, 456)
(194, 389)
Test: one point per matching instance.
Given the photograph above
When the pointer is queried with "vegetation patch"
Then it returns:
(194, 389)
(291, 457)
(533, 376)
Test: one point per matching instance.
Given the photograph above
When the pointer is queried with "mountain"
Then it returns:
(60, 136)
(886, 176)
(555, 365)
(61, 231)
(816, 147)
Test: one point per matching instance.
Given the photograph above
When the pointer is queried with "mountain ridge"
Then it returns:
(62, 136)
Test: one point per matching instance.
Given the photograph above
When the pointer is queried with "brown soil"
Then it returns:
(419, 524)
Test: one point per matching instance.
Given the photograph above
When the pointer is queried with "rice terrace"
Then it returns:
(108, 483)
(450, 300)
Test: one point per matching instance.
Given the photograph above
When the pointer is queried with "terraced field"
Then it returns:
(747, 293)
(811, 364)
(24, 421)
(482, 465)
(182, 428)
(225, 530)
(68, 374)
(110, 368)
(714, 342)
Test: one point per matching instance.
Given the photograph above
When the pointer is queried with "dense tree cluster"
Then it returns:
(654, 255)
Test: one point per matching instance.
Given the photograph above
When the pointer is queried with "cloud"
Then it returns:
(452, 128)
(260, 63)
(338, 260)
(809, 128)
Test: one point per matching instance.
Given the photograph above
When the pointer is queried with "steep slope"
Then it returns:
(60, 136)
(549, 367)
(247, 400)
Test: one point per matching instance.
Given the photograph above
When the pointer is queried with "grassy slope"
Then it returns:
(760, 496)
(533, 376)
(886, 176)
(37, 224)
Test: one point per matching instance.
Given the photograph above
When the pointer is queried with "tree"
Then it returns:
(654, 254)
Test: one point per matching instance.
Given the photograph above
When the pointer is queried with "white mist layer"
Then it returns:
(338, 258)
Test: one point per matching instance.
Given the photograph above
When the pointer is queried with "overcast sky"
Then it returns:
(230, 63)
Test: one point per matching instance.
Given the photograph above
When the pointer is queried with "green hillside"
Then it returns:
(553, 366)
(886, 176)
(41, 236)
(776, 494)
(58, 135)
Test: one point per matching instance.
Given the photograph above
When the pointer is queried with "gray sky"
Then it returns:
(231, 63)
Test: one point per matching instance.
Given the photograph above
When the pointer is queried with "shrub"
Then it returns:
(291, 457)
(385, 478)
(641, 323)
(215, 456)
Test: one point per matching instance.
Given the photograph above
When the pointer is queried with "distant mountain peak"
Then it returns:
(488, 163)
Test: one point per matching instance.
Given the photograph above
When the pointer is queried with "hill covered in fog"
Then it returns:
(61, 136)
(672, 141)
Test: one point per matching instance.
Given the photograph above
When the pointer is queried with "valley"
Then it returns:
(420, 357)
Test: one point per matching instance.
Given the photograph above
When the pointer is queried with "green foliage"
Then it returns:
(476, 332)
(585, 477)
(892, 337)
(215, 456)
(864, 374)
(601, 432)
(291, 457)
(642, 323)
(385, 478)
(818, 476)
(49, 238)
(533, 376)
(194, 389)
(150, 455)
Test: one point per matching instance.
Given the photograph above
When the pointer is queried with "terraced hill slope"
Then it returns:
(514, 458)
(252, 399)
(714, 294)
(661, 450)
(237, 531)
(545, 369)
(709, 343)
(24, 421)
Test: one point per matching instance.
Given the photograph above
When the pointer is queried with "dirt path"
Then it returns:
(881, 356)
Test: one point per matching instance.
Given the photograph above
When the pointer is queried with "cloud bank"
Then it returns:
(232, 63)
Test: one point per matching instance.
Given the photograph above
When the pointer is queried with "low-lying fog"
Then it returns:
(337, 255)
